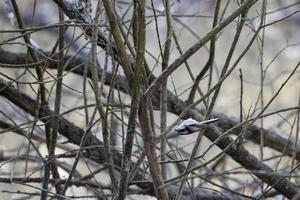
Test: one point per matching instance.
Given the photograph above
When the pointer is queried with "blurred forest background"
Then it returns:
(91, 91)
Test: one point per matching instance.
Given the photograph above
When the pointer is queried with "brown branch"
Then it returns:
(72, 132)
(71, 64)
(201, 193)
(139, 33)
(42, 92)
(192, 50)
(150, 148)
(210, 60)
(241, 155)
(273, 138)
(75, 10)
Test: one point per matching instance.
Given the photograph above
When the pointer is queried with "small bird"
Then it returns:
(190, 126)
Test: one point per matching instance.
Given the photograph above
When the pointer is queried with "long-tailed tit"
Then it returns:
(190, 126)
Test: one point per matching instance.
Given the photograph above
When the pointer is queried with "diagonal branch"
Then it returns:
(75, 10)
(72, 132)
(273, 138)
(192, 50)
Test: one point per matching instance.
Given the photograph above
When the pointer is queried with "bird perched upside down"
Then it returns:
(190, 126)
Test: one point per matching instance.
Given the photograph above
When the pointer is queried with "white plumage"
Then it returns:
(190, 126)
